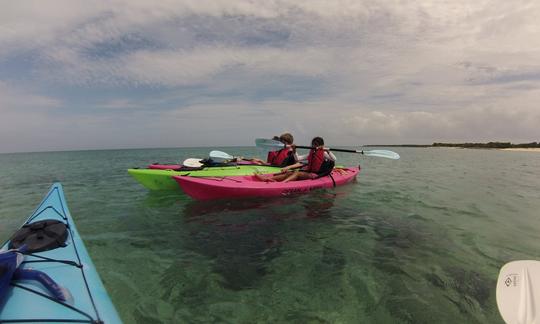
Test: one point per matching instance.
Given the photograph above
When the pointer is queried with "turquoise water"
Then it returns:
(412, 241)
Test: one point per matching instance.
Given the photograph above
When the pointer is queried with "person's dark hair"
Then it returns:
(317, 141)
(286, 138)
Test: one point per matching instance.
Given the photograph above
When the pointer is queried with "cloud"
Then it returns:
(385, 71)
(14, 98)
(460, 125)
(122, 104)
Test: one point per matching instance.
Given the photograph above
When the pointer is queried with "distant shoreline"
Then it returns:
(515, 149)
(523, 147)
(511, 149)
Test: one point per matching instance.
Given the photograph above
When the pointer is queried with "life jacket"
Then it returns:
(317, 163)
(271, 156)
(315, 160)
(281, 158)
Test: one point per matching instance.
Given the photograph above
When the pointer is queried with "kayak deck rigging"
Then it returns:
(66, 267)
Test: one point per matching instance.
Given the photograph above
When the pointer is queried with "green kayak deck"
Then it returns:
(162, 179)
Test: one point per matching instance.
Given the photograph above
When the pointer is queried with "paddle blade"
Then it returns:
(518, 291)
(269, 144)
(218, 156)
(382, 153)
(192, 163)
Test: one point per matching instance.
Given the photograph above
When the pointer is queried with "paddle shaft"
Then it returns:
(331, 149)
(276, 145)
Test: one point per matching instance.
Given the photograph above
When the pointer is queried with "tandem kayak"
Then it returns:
(53, 279)
(155, 179)
(250, 186)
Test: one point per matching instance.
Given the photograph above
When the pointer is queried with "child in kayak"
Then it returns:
(319, 162)
(284, 157)
(287, 155)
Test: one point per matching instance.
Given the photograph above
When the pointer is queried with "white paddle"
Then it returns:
(192, 163)
(518, 292)
(218, 156)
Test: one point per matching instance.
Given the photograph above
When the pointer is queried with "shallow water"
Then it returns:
(413, 241)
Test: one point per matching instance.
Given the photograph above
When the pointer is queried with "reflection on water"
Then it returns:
(240, 239)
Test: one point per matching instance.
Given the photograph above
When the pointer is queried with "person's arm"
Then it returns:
(301, 157)
(292, 166)
(329, 155)
(257, 161)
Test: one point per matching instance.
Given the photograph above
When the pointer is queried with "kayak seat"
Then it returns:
(185, 168)
(212, 163)
(40, 236)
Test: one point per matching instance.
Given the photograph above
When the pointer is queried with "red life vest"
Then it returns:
(271, 156)
(279, 157)
(315, 160)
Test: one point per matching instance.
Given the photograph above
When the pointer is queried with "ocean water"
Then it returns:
(418, 240)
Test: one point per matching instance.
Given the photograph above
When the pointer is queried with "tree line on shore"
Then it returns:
(497, 145)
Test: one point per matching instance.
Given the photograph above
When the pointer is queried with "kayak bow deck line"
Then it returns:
(73, 291)
(250, 186)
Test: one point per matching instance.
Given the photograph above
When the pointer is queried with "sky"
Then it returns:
(135, 74)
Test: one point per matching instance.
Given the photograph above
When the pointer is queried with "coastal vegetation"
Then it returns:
(489, 145)
(496, 145)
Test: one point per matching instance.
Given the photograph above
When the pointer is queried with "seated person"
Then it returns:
(284, 157)
(319, 162)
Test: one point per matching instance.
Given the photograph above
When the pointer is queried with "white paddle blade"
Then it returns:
(382, 153)
(192, 163)
(219, 156)
(269, 144)
(518, 292)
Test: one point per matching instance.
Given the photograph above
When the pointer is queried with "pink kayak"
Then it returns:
(250, 186)
(164, 166)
